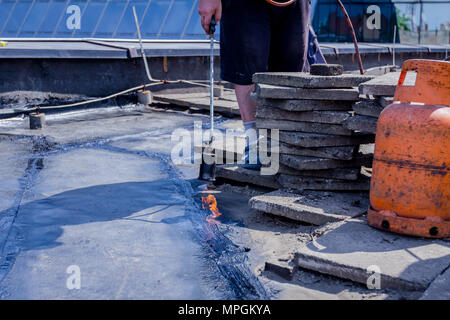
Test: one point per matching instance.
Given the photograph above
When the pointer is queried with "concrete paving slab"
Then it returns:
(312, 140)
(385, 85)
(272, 243)
(315, 207)
(282, 268)
(279, 92)
(242, 175)
(226, 151)
(384, 101)
(352, 249)
(338, 173)
(304, 104)
(326, 69)
(439, 289)
(340, 153)
(332, 117)
(368, 107)
(314, 163)
(361, 124)
(233, 146)
(225, 105)
(297, 126)
(306, 80)
(327, 184)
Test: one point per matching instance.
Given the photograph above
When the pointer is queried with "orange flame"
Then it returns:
(210, 202)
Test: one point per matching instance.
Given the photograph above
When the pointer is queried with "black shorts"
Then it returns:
(256, 36)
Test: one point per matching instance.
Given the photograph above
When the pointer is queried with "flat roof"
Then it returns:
(125, 49)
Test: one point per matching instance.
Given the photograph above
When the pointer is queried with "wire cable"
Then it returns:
(147, 71)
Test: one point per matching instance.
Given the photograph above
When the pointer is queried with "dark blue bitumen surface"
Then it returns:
(102, 195)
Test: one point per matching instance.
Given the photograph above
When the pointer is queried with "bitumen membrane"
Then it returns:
(96, 191)
(99, 193)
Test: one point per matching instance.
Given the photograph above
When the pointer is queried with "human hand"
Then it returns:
(207, 9)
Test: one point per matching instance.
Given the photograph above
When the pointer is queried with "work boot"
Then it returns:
(251, 152)
(249, 162)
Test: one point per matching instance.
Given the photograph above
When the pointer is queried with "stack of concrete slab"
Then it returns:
(316, 151)
(378, 94)
(365, 117)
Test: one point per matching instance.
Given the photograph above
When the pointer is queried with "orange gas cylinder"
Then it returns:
(410, 186)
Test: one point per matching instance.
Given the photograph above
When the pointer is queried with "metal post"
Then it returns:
(393, 46)
(211, 82)
(420, 20)
(138, 29)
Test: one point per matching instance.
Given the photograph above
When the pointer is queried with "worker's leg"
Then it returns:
(247, 106)
(244, 50)
(289, 37)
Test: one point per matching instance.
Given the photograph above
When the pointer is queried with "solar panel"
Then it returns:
(159, 19)
(179, 20)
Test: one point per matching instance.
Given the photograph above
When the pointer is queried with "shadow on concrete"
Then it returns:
(357, 236)
(40, 223)
(405, 262)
